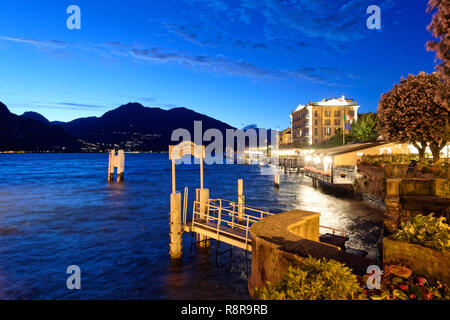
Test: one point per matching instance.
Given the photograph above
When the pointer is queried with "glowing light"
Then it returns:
(360, 154)
(316, 159)
(327, 160)
(308, 158)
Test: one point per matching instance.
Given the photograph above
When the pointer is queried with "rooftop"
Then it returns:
(334, 102)
(352, 147)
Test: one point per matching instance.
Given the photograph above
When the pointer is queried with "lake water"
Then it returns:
(58, 210)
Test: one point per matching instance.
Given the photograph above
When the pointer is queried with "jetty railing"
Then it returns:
(225, 221)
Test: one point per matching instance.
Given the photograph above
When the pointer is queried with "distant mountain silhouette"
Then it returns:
(35, 116)
(18, 133)
(134, 127)
(131, 127)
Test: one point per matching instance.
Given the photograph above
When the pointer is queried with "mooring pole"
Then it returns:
(111, 166)
(277, 180)
(241, 199)
(116, 161)
(175, 226)
(120, 166)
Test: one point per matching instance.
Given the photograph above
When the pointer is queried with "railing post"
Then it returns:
(204, 212)
(219, 220)
(240, 199)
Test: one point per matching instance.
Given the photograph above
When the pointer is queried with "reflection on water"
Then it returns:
(58, 209)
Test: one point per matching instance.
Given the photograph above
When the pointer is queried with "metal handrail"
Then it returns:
(226, 215)
(185, 204)
(333, 230)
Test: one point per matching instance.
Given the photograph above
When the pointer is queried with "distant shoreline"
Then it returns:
(105, 152)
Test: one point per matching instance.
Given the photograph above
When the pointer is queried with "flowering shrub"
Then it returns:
(397, 286)
(428, 231)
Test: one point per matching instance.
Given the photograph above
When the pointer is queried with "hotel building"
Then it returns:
(316, 122)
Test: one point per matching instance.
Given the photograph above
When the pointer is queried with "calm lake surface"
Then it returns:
(58, 210)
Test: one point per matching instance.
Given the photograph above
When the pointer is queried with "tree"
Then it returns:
(365, 128)
(439, 28)
(409, 113)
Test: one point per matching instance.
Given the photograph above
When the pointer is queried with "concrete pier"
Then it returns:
(116, 161)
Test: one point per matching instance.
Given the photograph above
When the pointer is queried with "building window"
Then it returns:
(328, 131)
(316, 122)
(327, 122)
(315, 131)
(316, 114)
(352, 113)
(337, 122)
(316, 141)
(327, 113)
(337, 113)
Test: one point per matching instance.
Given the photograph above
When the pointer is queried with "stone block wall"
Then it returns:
(407, 197)
(435, 265)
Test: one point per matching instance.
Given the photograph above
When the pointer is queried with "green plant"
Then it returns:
(413, 287)
(316, 279)
(428, 231)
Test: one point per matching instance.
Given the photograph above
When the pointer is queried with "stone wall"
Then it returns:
(370, 182)
(285, 240)
(408, 197)
(435, 265)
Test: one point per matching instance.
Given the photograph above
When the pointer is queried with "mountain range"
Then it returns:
(131, 127)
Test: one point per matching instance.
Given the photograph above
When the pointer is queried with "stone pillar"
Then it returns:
(175, 226)
(116, 161)
(111, 166)
(120, 166)
(393, 205)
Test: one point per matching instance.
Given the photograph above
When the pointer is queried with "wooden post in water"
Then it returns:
(241, 199)
(175, 226)
(116, 161)
(277, 180)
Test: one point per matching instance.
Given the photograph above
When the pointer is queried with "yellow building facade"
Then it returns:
(317, 122)
(284, 137)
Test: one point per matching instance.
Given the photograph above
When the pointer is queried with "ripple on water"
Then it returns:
(67, 213)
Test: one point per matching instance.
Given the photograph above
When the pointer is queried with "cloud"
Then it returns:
(52, 44)
(80, 105)
(214, 63)
(331, 21)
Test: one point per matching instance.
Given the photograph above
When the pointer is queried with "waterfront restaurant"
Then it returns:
(338, 165)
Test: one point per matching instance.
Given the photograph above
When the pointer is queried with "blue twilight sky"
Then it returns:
(243, 62)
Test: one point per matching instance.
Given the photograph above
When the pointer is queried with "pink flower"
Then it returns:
(421, 281)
